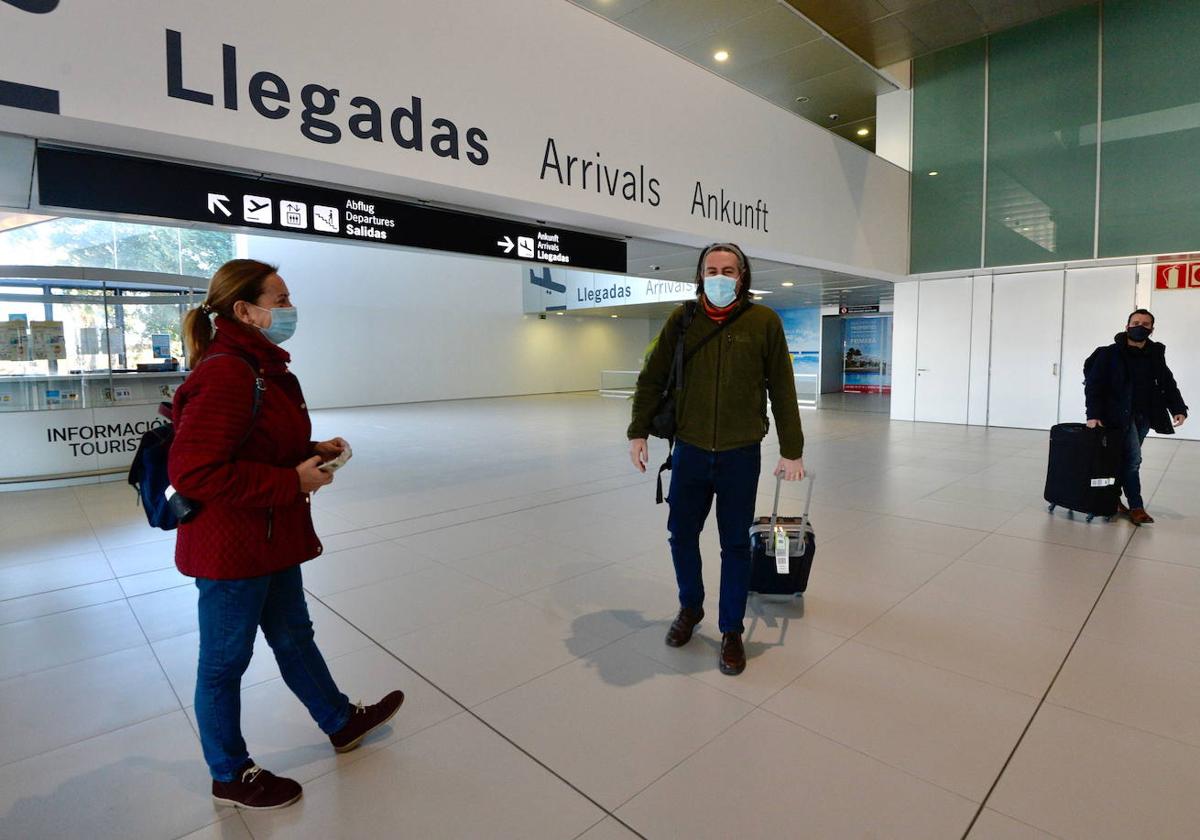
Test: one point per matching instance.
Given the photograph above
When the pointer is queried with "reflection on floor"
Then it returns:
(869, 403)
(501, 562)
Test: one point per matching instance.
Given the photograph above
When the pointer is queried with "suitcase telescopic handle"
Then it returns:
(808, 476)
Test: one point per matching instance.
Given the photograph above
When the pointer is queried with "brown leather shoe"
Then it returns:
(1140, 517)
(1121, 509)
(364, 720)
(733, 654)
(681, 629)
(256, 789)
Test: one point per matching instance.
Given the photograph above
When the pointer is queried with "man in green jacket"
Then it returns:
(721, 419)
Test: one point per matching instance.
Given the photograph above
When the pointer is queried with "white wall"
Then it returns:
(1177, 325)
(1097, 300)
(381, 326)
(981, 346)
(893, 127)
(523, 71)
(904, 350)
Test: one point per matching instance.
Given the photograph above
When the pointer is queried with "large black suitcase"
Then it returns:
(1084, 473)
(774, 570)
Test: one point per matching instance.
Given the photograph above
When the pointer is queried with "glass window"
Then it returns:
(1150, 155)
(947, 177)
(1041, 169)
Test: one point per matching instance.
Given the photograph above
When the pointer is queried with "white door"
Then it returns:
(943, 350)
(1098, 301)
(1177, 325)
(1027, 316)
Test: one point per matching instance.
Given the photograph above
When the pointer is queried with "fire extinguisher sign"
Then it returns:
(1177, 272)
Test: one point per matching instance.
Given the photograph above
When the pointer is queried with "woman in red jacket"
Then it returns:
(251, 472)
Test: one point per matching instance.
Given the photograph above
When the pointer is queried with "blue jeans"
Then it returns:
(696, 477)
(1131, 461)
(231, 611)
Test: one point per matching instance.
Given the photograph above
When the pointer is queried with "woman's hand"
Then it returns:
(330, 449)
(312, 477)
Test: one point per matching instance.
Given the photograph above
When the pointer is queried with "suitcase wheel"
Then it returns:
(1071, 514)
(1091, 516)
(1051, 508)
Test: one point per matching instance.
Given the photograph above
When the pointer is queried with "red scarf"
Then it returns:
(719, 316)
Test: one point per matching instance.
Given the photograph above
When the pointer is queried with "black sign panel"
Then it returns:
(862, 309)
(111, 183)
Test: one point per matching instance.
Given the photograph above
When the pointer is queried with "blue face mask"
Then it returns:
(283, 323)
(720, 290)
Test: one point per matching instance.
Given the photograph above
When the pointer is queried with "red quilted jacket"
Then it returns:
(253, 518)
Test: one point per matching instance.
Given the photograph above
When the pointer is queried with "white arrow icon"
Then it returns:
(507, 244)
(217, 202)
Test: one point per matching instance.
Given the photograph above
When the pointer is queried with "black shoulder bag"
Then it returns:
(663, 424)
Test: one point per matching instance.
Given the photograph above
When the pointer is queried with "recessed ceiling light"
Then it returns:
(863, 132)
(758, 297)
(787, 284)
(614, 316)
(801, 99)
(721, 55)
(935, 173)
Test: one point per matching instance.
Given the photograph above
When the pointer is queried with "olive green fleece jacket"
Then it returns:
(723, 402)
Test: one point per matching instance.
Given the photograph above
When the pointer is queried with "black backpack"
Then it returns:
(148, 472)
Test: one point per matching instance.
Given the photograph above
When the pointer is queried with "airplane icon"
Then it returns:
(257, 209)
(545, 282)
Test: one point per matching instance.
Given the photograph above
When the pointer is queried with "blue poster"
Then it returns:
(868, 355)
(161, 345)
(802, 327)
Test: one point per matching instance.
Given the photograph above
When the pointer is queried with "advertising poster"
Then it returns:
(162, 345)
(48, 340)
(868, 355)
(14, 346)
(803, 330)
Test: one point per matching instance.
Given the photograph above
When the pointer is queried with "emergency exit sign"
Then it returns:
(1180, 271)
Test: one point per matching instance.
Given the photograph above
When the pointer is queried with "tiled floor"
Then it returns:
(964, 663)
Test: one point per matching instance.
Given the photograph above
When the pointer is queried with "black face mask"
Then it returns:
(1138, 333)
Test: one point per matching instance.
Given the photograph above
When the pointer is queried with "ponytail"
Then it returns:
(234, 281)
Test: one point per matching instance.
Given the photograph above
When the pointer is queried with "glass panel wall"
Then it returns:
(1150, 157)
(1041, 164)
(947, 174)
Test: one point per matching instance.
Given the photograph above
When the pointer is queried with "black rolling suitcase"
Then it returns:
(1084, 471)
(782, 549)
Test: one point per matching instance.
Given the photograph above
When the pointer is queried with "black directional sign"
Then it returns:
(97, 182)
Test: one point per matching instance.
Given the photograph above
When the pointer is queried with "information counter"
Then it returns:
(87, 357)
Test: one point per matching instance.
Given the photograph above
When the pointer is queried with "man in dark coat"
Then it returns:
(1130, 388)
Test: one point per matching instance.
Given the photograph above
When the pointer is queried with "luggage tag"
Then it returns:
(782, 557)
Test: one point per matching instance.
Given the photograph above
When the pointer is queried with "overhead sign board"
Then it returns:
(78, 180)
(551, 290)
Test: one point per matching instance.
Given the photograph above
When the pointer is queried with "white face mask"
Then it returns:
(720, 290)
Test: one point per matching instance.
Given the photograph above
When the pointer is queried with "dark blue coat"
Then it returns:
(1108, 387)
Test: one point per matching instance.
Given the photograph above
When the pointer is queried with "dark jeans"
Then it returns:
(1131, 462)
(696, 477)
(231, 611)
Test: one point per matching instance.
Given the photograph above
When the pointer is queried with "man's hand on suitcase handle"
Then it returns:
(1092, 424)
(790, 469)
